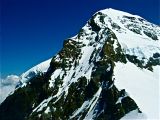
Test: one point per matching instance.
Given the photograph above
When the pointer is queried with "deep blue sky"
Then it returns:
(34, 30)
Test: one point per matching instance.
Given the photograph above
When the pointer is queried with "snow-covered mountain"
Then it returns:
(108, 71)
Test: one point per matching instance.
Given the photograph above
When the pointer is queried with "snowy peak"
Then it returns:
(114, 12)
(135, 35)
(121, 21)
(80, 81)
(117, 14)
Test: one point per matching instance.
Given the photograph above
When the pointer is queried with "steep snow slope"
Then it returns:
(107, 71)
(134, 115)
(42, 67)
(142, 85)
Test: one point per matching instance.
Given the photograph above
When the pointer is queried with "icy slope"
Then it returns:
(134, 115)
(141, 85)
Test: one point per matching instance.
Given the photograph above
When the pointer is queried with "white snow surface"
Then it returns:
(134, 115)
(142, 85)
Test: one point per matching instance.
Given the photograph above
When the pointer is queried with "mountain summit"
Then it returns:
(108, 71)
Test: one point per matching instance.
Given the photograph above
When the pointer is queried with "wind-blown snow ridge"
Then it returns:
(114, 13)
(42, 67)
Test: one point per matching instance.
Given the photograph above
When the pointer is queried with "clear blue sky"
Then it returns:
(34, 30)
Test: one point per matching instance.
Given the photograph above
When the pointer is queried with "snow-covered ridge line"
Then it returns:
(114, 12)
(42, 67)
